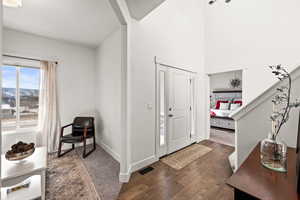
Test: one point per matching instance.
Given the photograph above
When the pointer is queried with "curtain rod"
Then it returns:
(155, 61)
(26, 58)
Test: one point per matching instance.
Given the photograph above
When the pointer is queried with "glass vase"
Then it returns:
(273, 153)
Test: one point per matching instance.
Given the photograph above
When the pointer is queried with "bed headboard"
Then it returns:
(225, 95)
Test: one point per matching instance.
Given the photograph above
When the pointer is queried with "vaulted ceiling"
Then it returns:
(80, 21)
(86, 22)
(140, 8)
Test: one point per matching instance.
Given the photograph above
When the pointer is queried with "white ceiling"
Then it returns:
(140, 8)
(86, 22)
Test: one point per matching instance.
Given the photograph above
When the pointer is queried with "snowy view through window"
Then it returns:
(20, 97)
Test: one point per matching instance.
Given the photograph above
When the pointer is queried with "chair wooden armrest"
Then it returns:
(85, 132)
(63, 128)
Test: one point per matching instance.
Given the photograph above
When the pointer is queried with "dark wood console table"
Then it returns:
(253, 181)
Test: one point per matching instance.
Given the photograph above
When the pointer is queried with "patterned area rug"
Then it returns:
(182, 158)
(68, 179)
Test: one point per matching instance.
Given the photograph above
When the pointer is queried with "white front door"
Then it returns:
(179, 109)
(162, 103)
(175, 90)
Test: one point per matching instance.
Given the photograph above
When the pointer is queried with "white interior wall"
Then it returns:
(75, 72)
(222, 80)
(108, 94)
(252, 35)
(174, 33)
(234, 40)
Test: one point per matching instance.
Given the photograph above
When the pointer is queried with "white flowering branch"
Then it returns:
(282, 100)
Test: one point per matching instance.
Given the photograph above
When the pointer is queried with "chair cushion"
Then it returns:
(73, 139)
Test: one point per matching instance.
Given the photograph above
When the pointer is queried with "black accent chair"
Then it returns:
(83, 128)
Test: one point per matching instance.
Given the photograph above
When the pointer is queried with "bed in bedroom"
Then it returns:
(223, 103)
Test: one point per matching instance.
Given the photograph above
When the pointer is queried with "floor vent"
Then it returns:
(146, 170)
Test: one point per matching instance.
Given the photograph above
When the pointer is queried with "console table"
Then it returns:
(253, 181)
(13, 172)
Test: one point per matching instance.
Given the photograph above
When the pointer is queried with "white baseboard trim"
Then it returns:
(232, 161)
(143, 163)
(124, 177)
(200, 140)
(109, 150)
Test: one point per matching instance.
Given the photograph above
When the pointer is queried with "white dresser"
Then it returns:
(14, 172)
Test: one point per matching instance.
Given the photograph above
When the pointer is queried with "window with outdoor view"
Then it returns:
(20, 97)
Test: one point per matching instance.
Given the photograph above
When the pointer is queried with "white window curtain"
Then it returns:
(49, 121)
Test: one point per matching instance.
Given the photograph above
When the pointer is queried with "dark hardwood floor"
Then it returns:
(203, 179)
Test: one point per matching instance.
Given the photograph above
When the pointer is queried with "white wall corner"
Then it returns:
(124, 177)
(233, 161)
(121, 10)
(206, 112)
(200, 139)
(143, 163)
(110, 151)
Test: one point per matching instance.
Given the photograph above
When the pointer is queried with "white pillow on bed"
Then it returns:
(234, 106)
(224, 106)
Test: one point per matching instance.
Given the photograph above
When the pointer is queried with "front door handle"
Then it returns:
(170, 115)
